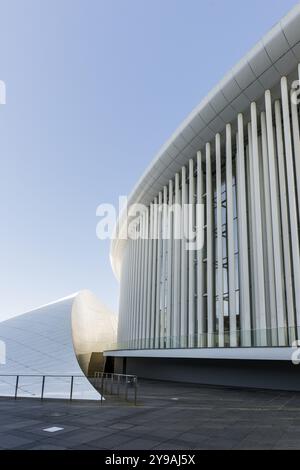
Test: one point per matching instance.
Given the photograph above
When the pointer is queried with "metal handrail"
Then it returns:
(44, 375)
(117, 379)
(18, 376)
(110, 374)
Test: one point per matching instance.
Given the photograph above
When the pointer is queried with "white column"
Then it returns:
(131, 292)
(121, 306)
(192, 254)
(140, 284)
(252, 232)
(170, 267)
(285, 224)
(177, 257)
(209, 247)
(230, 239)
(163, 320)
(154, 273)
(127, 309)
(141, 289)
(264, 238)
(291, 197)
(245, 307)
(129, 288)
(276, 231)
(124, 294)
(201, 314)
(269, 233)
(158, 274)
(220, 283)
(296, 139)
(145, 276)
(184, 263)
(260, 275)
(149, 280)
(137, 289)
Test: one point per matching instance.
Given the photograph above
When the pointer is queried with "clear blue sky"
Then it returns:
(94, 88)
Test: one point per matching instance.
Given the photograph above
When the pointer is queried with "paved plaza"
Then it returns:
(169, 416)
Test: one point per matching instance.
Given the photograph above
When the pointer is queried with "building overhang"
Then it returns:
(249, 354)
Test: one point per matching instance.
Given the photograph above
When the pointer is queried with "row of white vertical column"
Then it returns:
(171, 297)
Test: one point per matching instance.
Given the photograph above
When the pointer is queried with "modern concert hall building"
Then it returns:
(228, 313)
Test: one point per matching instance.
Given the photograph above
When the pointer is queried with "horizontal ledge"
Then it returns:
(255, 354)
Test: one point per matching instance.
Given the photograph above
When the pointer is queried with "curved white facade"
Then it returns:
(238, 154)
(52, 341)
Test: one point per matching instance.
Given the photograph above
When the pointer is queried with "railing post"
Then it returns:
(135, 391)
(118, 388)
(112, 384)
(126, 388)
(71, 391)
(102, 378)
(96, 380)
(43, 387)
(17, 385)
